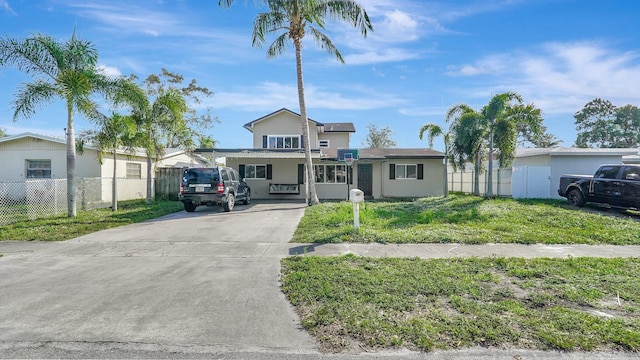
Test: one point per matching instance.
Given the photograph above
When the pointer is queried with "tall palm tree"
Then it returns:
(433, 131)
(295, 19)
(61, 70)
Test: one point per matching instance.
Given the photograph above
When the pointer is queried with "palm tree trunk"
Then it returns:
(114, 185)
(311, 180)
(489, 193)
(149, 178)
(476, 175)
(71, 163)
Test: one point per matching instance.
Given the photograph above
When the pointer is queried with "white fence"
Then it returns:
(462, 181)
(37, 198)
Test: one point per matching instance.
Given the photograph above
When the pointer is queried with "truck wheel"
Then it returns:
(575, 198)
(228, 206)
(189, 207)
(247, 198)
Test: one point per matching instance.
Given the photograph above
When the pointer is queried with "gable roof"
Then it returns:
(249, 125)
(327, 127)
(139, 151)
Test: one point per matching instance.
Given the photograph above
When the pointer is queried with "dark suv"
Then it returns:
(213, 186)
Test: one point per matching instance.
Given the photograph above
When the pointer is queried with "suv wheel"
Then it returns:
(228, 206)
(247, 197)
(189, 207)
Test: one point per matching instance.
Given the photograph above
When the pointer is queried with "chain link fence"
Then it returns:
(38, 198)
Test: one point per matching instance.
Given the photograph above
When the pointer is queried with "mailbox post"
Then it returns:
(356, 196)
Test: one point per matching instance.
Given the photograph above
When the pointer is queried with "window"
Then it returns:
(255, 172)
(331, 174)
(134, 171)
(631, 173)
(283, 142)
(607, 172)
(323, 143)
(406, 171)
(38, 169)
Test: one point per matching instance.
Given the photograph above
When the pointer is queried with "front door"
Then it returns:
(365, 179)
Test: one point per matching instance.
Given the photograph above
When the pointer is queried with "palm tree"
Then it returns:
(498, 118)
(433, 131)
(295, 19)
(467, 133)
(154, 120)
(116, 132)
(64, 70)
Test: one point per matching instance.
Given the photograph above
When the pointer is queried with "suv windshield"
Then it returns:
(200, 176)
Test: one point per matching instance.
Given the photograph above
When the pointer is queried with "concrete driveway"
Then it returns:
(188, 279)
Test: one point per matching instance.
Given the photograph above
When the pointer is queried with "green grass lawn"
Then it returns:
(470, 220)
(62, 227)
(562, 304)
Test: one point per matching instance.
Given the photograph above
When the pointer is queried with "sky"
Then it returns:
(422, 58)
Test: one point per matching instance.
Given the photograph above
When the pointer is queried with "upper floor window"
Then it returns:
(134, 170)
(323, 143)
(38, 169)
(284, 142)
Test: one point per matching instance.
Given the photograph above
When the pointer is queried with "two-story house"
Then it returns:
(274, 166)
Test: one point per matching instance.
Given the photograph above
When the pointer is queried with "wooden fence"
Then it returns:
(167, 183)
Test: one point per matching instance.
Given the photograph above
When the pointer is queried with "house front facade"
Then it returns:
(36, 158)
(274, 167)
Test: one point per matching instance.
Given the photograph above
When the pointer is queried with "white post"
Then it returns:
(356, 216)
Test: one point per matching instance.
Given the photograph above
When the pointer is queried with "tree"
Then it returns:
(467, 132)
(379, 138)
(601, 124)
(3, 132)
(496, 125)
(206, 141)
(63, 70)
(433, 131)
(166, 119)
(116, 132)
(295, 19)
(184, 133)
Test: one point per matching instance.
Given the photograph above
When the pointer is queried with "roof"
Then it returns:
(139, 151)
(564, 151)
(249, 125)
(328, 127)
(339, 127)
(388, 154)
(259, 153)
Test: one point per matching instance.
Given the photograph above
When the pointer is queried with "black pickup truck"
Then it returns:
(614, 185)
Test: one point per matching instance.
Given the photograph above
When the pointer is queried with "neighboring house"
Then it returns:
(30, 156)
(274, 167)
(536, 172)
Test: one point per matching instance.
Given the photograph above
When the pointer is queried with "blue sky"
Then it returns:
(422, 58)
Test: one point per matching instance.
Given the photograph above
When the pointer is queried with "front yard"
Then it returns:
(351, 302)
(468, 220)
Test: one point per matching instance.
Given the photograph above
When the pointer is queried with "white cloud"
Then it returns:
(4, 5)
(269, 95)
(562, 77)
(109, 70)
